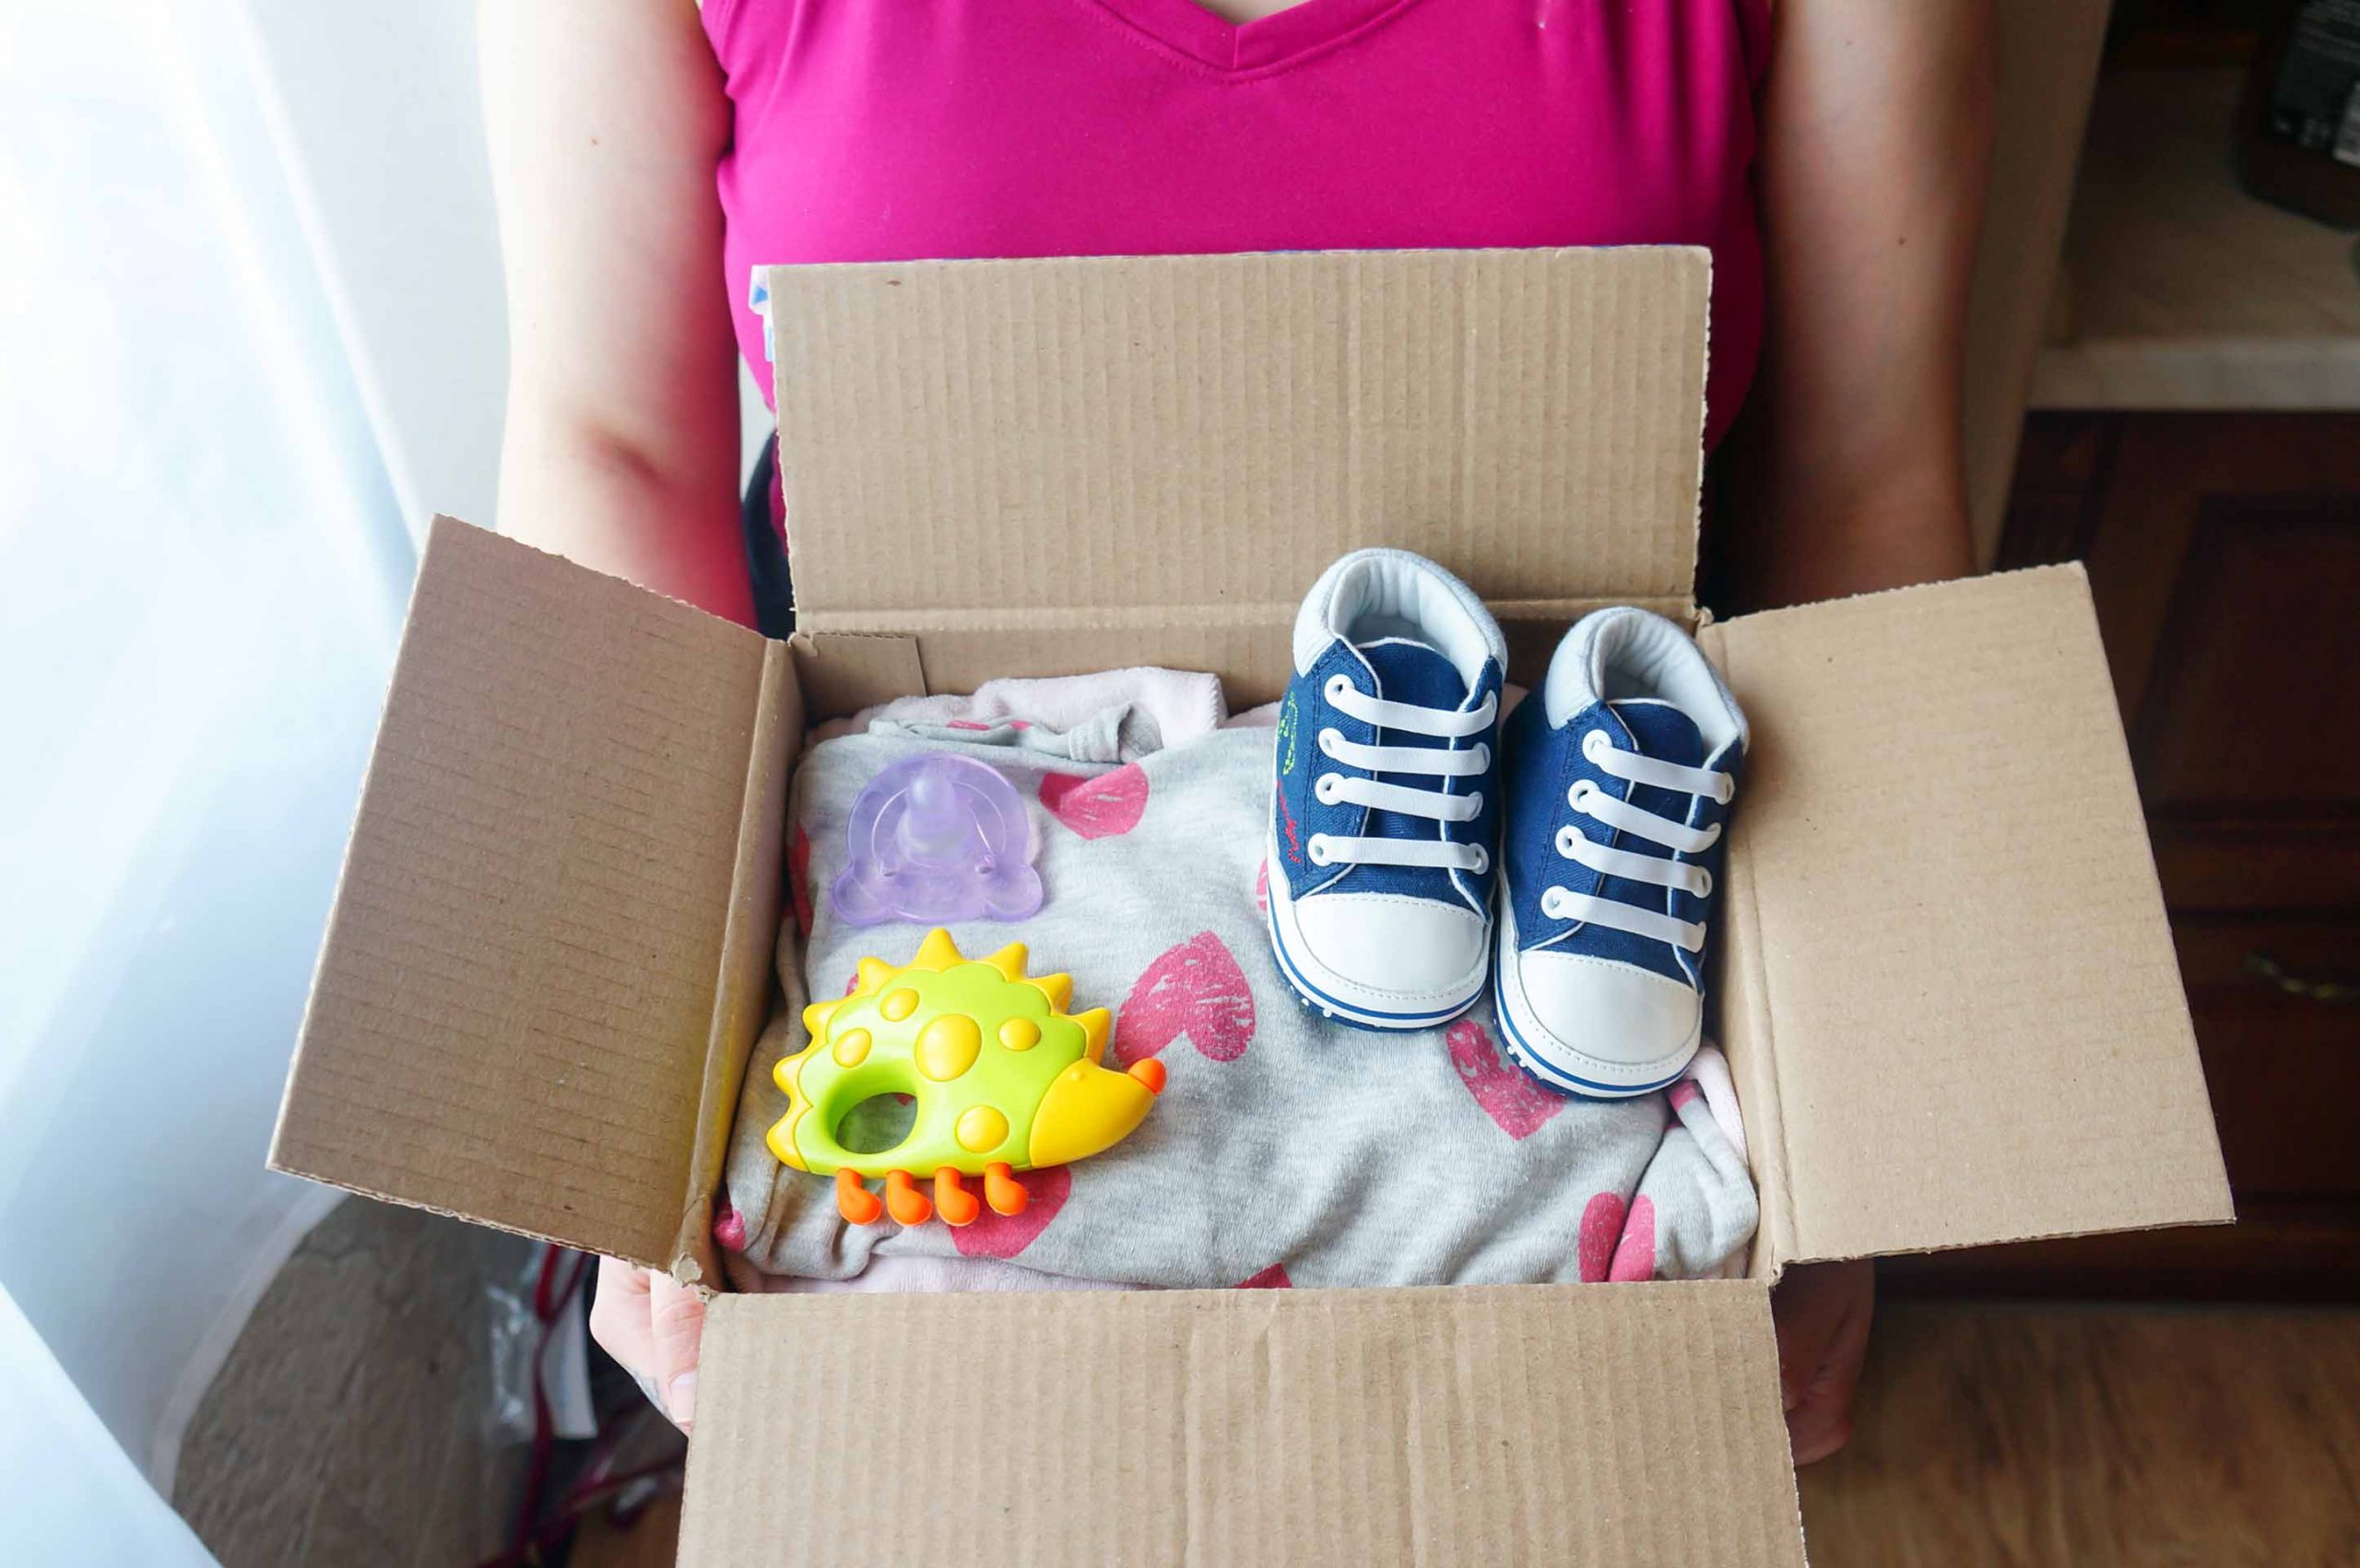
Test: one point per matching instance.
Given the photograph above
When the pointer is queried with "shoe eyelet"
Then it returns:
(1338, 685)
(1483, 860)
(1713, 836)
(1704, 883)
(1324, 788)
(1594, 742)
(1566, 839)
(1482, 757)
(1727, 791)
(1316, 847)
(1329, 740)
(1578, 796)
(1550, 906)
(1475, 804)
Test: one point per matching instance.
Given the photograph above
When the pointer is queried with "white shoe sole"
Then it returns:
(1346, 1000)
(1540, 1053)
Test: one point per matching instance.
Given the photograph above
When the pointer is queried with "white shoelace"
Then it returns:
(1561, 903)
(1326, 849)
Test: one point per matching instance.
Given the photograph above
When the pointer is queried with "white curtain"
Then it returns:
(202, 570)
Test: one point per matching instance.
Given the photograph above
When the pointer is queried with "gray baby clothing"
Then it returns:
(1284, 1148)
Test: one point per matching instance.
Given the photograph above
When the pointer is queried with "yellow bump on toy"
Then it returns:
(981, 1128)
(1003, 1079)
(949, 1046)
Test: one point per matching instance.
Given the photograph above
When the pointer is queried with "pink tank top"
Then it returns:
(900, 130)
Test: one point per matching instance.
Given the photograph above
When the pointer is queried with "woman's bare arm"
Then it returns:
(605, 119)
(1876, 144)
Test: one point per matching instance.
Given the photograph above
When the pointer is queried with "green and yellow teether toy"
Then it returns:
(1005, 1080)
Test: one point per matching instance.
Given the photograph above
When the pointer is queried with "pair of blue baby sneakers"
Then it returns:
(1406, 813)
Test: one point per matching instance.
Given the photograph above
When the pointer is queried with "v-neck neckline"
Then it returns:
(1266, 44)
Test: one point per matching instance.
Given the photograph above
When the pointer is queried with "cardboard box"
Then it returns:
(1945, 982)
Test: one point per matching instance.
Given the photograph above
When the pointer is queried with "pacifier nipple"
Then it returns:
(934, 826)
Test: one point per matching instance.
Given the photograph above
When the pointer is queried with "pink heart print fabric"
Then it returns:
(1285, 1151)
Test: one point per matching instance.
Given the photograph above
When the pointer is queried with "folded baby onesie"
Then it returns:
(1284, 1148)
(1156, 708)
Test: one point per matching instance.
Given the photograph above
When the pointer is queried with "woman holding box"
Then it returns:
(1831, 153)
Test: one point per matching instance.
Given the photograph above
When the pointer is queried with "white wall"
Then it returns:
(382, 120)
(201, 578)
(382, 126)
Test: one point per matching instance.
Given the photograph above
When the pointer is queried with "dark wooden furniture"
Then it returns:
(2224, 550)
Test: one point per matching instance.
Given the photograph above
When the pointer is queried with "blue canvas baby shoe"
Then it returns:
(1619, 774)
(1383, 820)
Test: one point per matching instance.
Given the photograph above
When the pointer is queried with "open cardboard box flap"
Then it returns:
(1017, 464)
(1955, 1000)
(1946, 983)
(550, 951)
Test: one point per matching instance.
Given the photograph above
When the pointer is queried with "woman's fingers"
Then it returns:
(676, 1330)
(619, 1317)
(1822, 1312)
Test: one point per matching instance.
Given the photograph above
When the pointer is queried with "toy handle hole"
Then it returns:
(877, 1124)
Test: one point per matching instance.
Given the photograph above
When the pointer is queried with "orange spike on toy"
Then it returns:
(952, 1200)
(1151, 1073)
(903, 1201)
(1003, 1191)
(855, 1202)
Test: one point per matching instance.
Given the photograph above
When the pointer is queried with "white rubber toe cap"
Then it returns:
(1413, 949)
(1609, 1024)
(1380, 961)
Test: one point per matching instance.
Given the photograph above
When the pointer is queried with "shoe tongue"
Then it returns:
(1662, 731)
(1410, 671)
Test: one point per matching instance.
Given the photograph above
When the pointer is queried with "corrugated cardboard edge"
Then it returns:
(1540, 1424)
(743, 993)
(850, 660)
(841, 672)
(1746, 1039)
(1767, 1086)
(461, 559)
(1079, 433)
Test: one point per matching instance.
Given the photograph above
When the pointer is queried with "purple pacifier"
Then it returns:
(938, 838)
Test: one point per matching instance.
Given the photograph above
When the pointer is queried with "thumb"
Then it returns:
(676, 1323)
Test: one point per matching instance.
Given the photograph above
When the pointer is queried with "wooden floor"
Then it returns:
(2044, 1435)
(347, 1429)
(348, 1426)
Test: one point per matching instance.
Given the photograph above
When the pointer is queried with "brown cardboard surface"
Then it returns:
(1249, 654)
(1947, 990)
(1738, 1021)
(1049, 441)
(1951, 948)
(747, 985)
(840, 672)
(512, 1010)
(1625, 1424)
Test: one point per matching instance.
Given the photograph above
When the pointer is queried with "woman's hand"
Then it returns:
(655, 1328)
(1821, 1311)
